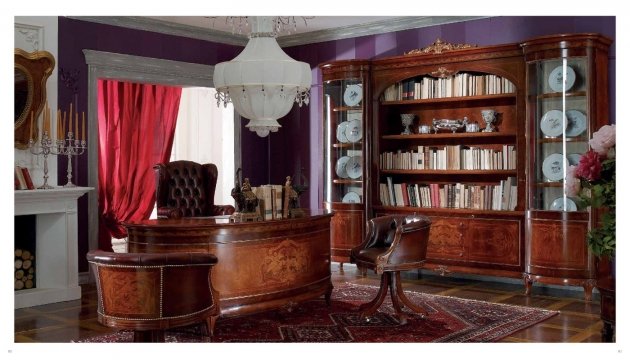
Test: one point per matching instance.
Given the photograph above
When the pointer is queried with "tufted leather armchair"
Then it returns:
(393, 243)
(186, 189)
(151, 292)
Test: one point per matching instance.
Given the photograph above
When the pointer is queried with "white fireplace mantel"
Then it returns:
(56, 249)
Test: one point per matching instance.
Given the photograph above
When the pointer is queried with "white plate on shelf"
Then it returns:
(354, 167)
(552, 123)
(341, 132)
(556, 77)
(558, 205)
(574, 159)
(576, 122)
(353, 131)
(351, 197)
(553, 167)
(353, 94)
(340, 167)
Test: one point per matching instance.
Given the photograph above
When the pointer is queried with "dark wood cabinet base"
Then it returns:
(587, 284)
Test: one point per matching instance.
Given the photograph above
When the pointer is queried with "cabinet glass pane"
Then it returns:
(343, 134)
(559, 102)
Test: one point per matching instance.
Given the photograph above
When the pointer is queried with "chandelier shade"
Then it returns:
(263, 82)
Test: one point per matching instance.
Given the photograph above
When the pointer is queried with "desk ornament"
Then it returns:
(290, 201)
(246, 201)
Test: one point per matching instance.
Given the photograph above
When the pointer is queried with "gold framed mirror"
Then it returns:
(31, 73)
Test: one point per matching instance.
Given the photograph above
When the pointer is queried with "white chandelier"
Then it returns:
(262, 82)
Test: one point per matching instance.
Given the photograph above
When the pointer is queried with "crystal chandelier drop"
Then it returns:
(263, 82)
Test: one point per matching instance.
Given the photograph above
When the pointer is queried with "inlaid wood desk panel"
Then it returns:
(262, 265)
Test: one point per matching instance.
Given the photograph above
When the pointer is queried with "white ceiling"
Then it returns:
(302, 24)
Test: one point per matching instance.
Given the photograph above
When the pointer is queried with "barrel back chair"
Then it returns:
(393, 243)
(149, 293)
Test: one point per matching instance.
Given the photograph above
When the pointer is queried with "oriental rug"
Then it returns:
(450, 319)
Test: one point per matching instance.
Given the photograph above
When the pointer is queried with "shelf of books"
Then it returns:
(450, 145)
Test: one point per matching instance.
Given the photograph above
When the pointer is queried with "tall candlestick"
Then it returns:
(70, 124)
(76, 126)
(58, 123)
(31, 132)
(63, 125)
(46, 118)
(83, 129)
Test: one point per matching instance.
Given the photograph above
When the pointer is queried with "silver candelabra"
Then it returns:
(69, 147)
(43, 148)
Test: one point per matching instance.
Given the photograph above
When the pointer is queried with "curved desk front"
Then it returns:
(262, 265)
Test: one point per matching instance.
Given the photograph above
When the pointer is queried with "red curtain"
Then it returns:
(136, 126)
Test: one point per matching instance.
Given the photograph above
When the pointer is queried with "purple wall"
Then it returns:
(298, 144)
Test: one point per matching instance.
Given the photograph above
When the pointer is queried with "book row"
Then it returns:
(501, 196)
(450, 157)
(463, 84)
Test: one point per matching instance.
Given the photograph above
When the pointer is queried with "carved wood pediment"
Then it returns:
(438, 47)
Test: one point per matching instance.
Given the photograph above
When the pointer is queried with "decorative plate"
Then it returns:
(574, 159)
(351, 197)
(353, 130)
(553, 167)
(340, 167)
(552, 123)
(555, 78)
(354, 167)
(576, 122)
(558, 205)
(353, 94)
(341, 132)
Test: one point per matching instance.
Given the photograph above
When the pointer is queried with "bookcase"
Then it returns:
(476, 138)
(345, 99)
(567, 100)
(469, 181)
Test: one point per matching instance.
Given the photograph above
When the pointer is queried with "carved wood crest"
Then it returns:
(442, 72)
(438, 47)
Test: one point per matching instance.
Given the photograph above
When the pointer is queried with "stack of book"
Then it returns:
(22, 179)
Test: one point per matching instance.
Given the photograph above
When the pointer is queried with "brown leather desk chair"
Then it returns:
(148, 293)
(393, 244)
(186, 189)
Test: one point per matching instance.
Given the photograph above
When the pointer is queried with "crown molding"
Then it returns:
(165, 27)
(345, 32)
(149, 70)
(372, 28)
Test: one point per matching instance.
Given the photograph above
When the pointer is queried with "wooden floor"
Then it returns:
(578, 321)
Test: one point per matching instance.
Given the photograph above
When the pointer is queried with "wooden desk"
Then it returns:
(262, 265)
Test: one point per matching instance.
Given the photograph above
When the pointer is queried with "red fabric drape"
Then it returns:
(136, 126)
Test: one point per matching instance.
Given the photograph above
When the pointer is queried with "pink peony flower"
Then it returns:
(603, 139)
(573, 183)
(589, 168)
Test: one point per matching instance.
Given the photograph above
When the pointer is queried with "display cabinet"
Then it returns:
(345, 114)
(449, 143)
(567, 100)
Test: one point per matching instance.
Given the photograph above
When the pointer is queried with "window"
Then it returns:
(205, 134)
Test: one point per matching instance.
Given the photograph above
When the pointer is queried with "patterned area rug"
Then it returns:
(450, 319)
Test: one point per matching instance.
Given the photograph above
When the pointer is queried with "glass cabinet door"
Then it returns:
(560, 128)
(344, 141)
